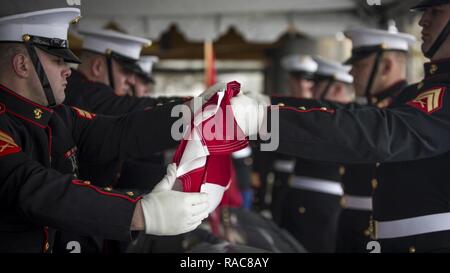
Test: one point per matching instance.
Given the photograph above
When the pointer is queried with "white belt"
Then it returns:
(411, 226)
(315, 184)
(357, 202)
(285, 166)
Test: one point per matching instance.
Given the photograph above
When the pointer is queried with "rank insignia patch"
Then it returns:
(83, 114)
(7, 145)
(429, 101)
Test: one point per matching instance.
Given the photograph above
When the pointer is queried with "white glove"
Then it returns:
(249, 114)
(169, 212)
(212, 90)
(260, 98)
(198, 101)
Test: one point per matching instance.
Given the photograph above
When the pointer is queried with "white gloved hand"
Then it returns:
(198, 101)
(248, 113)
(212, 90)
(169, 212)
(260, 98)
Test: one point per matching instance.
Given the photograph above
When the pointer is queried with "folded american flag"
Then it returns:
(203, 157)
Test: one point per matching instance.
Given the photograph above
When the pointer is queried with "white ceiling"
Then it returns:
(208, 7)
(257, 20)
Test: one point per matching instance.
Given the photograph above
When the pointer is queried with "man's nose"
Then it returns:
(425, 19)
(131, 79)
(67, 71)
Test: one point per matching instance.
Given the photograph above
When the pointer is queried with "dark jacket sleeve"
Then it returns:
(367, 134)
(48, 198)
(311, 103)
(99, 98)
(102, 139)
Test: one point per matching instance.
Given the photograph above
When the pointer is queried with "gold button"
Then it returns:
(108, 51)
(367, 232)
(301, 210)
(281, 104)
(37, 113)
(130, 193)
(302, 108)
(433, 68)
(26, 37)
(343, 202)
(341, 170)
(76, 20)
(374, 183)
(87, 182)
(372, 228)
(412, 250)
(108, 189)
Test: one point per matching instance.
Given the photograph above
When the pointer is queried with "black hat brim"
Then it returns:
(424, 4)
(298, 74)
(132, 67)
(146, 78)
(126, 63)
(361, 53)
(318, 77)
(355, 58)
(65, 53)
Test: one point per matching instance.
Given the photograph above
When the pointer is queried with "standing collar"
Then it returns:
(384, 98)
(24, 108)
(391, 91)
(78, 76)
(437, 68)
